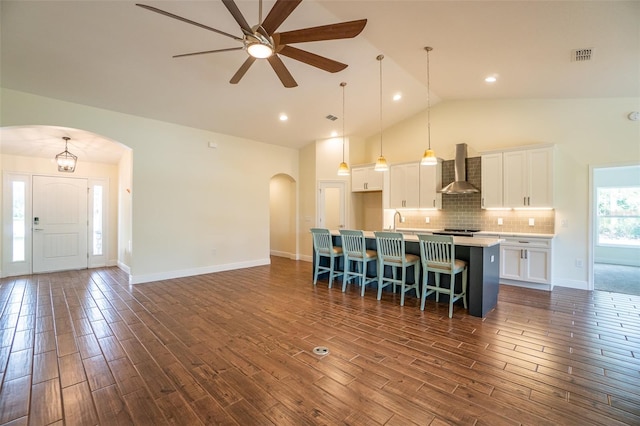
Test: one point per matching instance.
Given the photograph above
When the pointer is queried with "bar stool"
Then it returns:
(323, 247)
(438, 255)
(391, 252)
(354, 248)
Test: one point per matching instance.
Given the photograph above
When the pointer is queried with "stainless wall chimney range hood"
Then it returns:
(460, 184)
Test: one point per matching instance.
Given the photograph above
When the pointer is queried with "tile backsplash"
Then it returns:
(463, 211)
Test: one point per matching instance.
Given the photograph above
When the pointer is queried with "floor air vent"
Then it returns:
(581, 55)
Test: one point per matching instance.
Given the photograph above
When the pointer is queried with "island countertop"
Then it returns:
(459, 241)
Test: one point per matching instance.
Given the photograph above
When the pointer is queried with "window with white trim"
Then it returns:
(619, 216)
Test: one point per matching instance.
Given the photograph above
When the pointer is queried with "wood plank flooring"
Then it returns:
(236, 348)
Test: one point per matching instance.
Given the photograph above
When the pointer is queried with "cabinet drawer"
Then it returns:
(527, 242)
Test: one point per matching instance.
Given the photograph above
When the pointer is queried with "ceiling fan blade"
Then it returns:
(188, 21)
(232, 7)
(278, 13)
(242, 70)
(207, 51)
(325, 32)
(312, 59)
(281, 71)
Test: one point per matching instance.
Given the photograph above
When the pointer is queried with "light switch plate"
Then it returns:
(499, 221)
(532, 221)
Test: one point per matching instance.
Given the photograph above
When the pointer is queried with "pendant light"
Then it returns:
(381, 164)
(343, 169)
(66, 160)
(429, 157)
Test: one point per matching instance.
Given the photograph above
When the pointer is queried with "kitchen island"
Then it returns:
(482, 256)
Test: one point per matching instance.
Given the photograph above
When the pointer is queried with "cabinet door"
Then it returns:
(515, 166)
(540, 188)
(430, 182)
(374, 179)
(511, 265)
(538, 267)
(404, 182)
(491, 175)
(358, 179)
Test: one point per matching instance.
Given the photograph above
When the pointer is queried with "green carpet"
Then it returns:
(616, 278)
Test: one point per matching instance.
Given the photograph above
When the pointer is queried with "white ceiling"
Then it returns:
(116, 56)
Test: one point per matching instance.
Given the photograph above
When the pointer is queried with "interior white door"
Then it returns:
(331, 205)
(59, 224)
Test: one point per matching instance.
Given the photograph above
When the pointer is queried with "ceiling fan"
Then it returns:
(262, 42)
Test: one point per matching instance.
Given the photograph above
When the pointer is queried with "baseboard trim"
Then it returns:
(124, 268)
(284, 254)
(168, 275)
(577, 284)
(526, 284)
(306, 258)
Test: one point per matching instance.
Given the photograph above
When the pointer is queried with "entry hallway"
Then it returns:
(84, 347)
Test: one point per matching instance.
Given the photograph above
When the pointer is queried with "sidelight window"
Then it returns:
(18, 214)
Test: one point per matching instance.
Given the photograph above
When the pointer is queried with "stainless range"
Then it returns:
(457, 232)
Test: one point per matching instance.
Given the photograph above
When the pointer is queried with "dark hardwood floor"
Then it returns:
(84, 348)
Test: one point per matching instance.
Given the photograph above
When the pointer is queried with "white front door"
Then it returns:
(331, 205)
(59, 224)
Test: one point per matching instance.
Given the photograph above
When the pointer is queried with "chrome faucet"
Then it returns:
(401, 219)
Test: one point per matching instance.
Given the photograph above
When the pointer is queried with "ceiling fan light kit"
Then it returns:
(259, 49)
(262, 41)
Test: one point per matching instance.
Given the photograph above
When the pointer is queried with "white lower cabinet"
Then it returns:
(526, 259)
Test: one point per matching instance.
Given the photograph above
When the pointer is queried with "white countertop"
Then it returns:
(489, 234)
(462, 241)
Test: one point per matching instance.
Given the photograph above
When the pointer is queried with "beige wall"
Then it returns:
(125, 196)
(307, 199)
(282, 216)
(195, 209)
(585, 131)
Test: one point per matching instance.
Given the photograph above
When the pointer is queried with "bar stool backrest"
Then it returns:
(438, 251)
(322, 240)
(353, 243)
(390, 246)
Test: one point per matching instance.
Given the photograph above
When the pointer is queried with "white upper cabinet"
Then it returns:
(491, 174)
(528, 178)
(518, 178)
(404, 186)
(430, 183)
(365, 178)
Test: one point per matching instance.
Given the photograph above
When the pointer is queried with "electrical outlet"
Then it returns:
(499, 221)
(214, 251)
(427, 220)
(532, 221)
(579, 263)
(564, 223)
(402, 219)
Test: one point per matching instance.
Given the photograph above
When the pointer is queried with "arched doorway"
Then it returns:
(103, 171)
(282, 217)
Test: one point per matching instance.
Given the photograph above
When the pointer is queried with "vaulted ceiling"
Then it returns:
(116, 56)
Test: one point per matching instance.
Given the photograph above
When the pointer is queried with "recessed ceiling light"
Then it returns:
(491, 79)
(397, 96)
(283, 117)
(334, 134)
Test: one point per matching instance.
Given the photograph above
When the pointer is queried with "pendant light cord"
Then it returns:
(343, 84)
(428, 49)
(380, 58)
